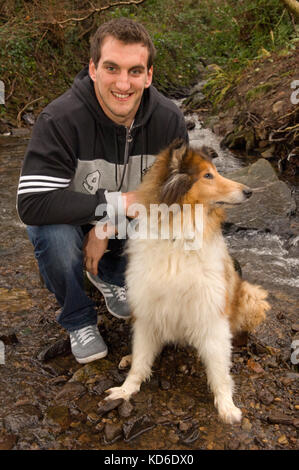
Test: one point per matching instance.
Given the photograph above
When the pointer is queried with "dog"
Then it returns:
(189, 294)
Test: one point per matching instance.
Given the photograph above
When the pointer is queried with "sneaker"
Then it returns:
(115, 297)
(87, 344)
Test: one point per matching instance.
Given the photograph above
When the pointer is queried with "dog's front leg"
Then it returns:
(145, 348)
(215, 351)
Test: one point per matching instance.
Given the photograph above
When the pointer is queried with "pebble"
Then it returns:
(283, 440)
(125, 409)
(104, 406)
(103, 385)
(277, 418)
(246, 424)
(265, 397)
(71, 391)
(112, 431)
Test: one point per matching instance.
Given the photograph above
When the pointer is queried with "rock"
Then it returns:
(59, 348)
(269, 152)
(165, 385)
(279, 418)
(58, 416)
(112, 431)
(246, 424)
(180, 405)
(283, 440)
(255, 366)
(104, 406)
(7, 441)
(125, 409)
(71, 391)
(295, 327)
(233, 444)
(136, 426)
(103, 385)
(24, 416)
(9, 338)
(265, 397)
(274, 199)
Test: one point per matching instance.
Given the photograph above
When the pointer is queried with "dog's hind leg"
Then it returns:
(146, 347)
(215, 352)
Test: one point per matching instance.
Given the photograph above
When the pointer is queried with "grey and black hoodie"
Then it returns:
(78, 158)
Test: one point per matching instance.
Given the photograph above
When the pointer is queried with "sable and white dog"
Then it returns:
(183, 295)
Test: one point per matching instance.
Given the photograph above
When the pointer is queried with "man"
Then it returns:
(90, 147)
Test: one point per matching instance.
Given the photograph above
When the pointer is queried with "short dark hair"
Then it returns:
(125, 30)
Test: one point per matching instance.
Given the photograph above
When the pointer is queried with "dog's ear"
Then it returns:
(208, 152)
(178, 181)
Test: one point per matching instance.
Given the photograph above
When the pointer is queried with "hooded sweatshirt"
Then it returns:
(78, 158)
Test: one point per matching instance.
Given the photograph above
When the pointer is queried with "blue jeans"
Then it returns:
(58, 250)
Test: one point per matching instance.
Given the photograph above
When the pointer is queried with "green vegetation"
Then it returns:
(40, 52)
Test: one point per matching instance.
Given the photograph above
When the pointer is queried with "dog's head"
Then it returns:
(183, 175)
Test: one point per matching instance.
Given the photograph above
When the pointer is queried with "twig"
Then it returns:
(100, 10)
(25, 107)
(12, 89)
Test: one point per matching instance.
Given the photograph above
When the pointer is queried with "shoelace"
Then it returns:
(85, 335)
(120, 293)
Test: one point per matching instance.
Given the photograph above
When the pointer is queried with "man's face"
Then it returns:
(120, 79)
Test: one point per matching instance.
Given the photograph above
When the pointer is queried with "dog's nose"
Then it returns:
(247, 192)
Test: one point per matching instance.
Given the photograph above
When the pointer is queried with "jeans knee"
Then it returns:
(58, 244)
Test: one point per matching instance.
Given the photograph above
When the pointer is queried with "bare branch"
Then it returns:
(100, 10)
(25, 107)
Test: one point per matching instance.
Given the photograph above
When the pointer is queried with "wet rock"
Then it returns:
(24, 416)
(180, 405)
(246, 424)
(58, 416)
(117, 376)
(295, 327)
(274, 199)
(105, 406)
(102, 385)
(137, 426)
(112, 432)
(233, 444)
(185, 426)
(7, 441)
(279, 418)
(71, 391)
(59, 348)
(125, 409)
(14, 300)
(164, 384)
(9, 338)
(87, 403)
(265, 397)
(58, 380)
(189, 437)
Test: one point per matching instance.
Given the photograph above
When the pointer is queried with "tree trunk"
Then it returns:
(293, 7)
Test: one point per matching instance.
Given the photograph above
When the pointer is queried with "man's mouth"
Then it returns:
(121, 96)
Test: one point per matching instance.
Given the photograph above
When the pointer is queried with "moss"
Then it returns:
(259, 90)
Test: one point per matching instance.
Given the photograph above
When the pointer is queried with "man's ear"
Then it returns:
(92, 70)
(149, 77)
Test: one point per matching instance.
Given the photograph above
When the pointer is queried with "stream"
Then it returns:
(55, 403)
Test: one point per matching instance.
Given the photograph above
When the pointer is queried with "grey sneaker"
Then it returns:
(115, 297)
(87, 344)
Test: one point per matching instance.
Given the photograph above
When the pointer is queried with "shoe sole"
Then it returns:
(99, 288)
(94, 357)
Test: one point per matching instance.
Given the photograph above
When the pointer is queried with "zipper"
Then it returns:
(129, 139)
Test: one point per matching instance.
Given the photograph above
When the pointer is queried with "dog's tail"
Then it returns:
(252, 307)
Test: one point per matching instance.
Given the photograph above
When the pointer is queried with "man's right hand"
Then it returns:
(93, 249)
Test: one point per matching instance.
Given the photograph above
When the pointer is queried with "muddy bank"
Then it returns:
(54, 403)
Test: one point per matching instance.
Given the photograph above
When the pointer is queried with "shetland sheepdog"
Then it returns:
(185, 290)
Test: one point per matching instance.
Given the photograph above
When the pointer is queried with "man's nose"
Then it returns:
(123, 82)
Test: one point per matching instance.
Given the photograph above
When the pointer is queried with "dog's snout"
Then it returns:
(247, 192)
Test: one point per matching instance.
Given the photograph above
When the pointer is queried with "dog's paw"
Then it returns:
(229, 413)
(118, 392)
(125, 362)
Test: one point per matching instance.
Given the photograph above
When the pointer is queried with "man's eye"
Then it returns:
(136, 72)
(209, 176)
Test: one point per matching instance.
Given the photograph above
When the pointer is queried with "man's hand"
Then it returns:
(128, 199)
(93, 249)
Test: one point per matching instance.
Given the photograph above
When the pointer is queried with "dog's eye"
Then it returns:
(209, 176)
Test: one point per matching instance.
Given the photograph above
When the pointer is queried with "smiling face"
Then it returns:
(120, 78)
